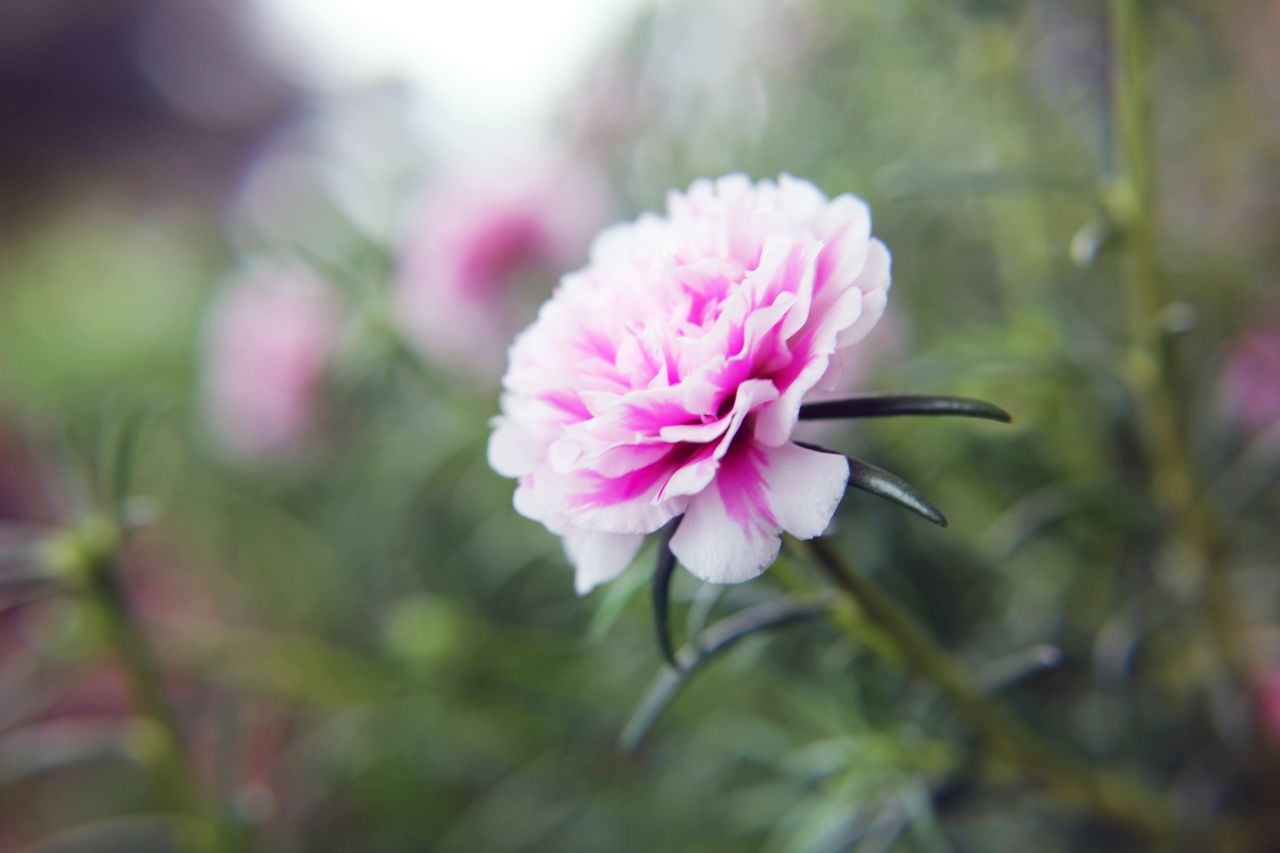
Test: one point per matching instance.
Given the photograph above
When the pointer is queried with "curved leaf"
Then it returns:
(892, 405)
(713, 641)
(887, 485)
(662, 593)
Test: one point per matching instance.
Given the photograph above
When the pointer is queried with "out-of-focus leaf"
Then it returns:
(293, 666)
(24, 580)
(1027, 516)
(20, 543)
(42, 747)
(124, 459)
(615, 598)
(73, 487)
(1007, 670)
(21, 595)
(708, 596)
(994, 182)
(917, 802)
(138, 833)
(514, 814)
(1249, 475)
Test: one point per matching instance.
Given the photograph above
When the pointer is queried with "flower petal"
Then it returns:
(712, 546)
(599, 557)
(730, 532)
(512, 451)
(805, 488)
(873, 281)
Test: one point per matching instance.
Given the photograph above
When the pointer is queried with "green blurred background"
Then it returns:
(367, 649)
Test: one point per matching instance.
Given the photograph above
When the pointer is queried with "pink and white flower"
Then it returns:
(666, 377)
(269, 341)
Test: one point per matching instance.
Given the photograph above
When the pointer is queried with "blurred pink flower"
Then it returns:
(1267, 704)
(270, 338)
(486, 244)
(665, 378)
(1251, 379)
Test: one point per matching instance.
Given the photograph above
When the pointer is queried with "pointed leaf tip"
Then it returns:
(890, 486)
(887, 485)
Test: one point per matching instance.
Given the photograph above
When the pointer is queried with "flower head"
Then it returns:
(477, 241)
(666, 377)
(270, 337)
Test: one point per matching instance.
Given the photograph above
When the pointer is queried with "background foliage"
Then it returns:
(368, 649)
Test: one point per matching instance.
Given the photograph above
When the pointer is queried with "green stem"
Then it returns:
(175, 777)
(1115, 796)
(1172, 484)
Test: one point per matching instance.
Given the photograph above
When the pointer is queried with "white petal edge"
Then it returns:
(512, 452)
(599, 557)
(713, 547)
(874, 282)
(803, 489)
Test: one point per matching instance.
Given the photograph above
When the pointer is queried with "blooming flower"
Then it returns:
(478, 241)
(270, 337)
(666, 377)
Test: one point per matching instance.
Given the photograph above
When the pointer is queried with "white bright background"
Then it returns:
(496, 64)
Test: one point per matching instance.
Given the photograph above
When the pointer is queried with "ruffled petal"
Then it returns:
(731, 531)
(712, 546)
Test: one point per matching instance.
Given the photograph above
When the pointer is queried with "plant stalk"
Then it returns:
(1133, 196)
(1110, 794)
(168, 754)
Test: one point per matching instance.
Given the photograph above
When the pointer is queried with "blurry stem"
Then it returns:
(1132, 198)
(175, 777)
(1117, 797)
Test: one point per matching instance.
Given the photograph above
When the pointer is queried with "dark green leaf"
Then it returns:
(885, 484)
(662, 593)
(902, 404)
(890, 486)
